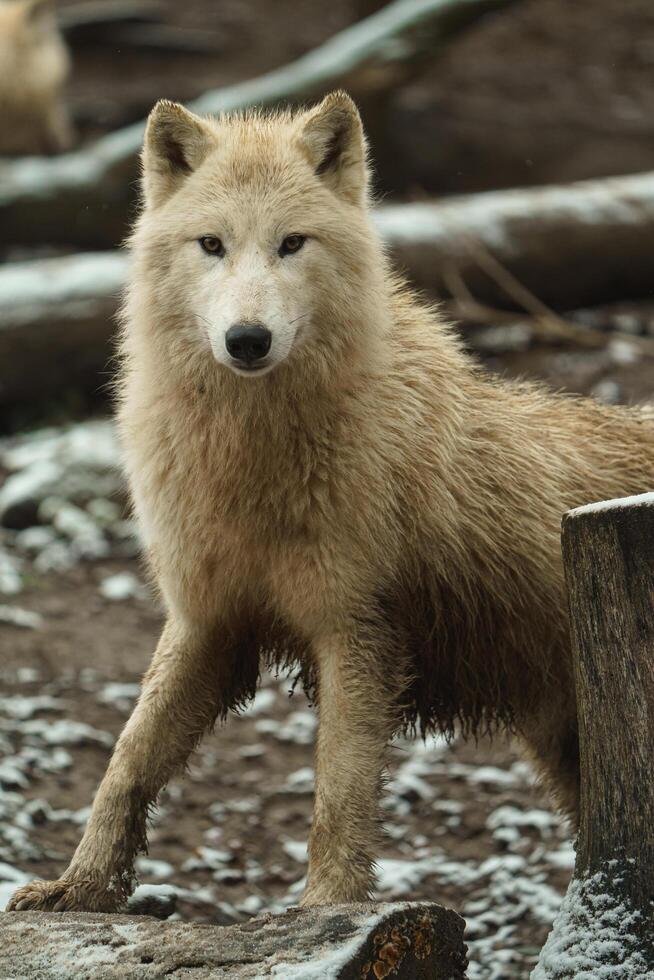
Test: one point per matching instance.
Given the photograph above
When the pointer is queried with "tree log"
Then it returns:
(572, 245)
(605, 926)
(83, 198)
(82, 21)
(575, 245)
(57, 320)
(405, 941)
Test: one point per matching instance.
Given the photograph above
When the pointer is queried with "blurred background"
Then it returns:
(514, 160)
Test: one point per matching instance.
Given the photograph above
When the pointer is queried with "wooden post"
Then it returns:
(605, 926)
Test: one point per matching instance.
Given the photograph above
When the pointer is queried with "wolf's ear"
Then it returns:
(332, 136)
(176, 142)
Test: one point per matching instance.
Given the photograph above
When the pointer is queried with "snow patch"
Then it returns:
(121, 586)
(23, 618)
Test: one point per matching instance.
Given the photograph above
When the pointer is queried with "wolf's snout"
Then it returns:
(248, 342)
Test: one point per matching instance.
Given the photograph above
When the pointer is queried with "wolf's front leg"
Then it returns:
(179, 701)
(359, 708)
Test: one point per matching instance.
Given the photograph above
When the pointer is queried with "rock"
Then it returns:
(159, 901)
(402, 941)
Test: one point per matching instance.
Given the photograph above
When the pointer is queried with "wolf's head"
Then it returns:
(34, 64)
(255, 236)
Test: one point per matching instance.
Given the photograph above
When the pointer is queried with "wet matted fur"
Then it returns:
(370, 506)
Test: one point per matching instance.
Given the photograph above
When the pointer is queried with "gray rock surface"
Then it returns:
(402, 941)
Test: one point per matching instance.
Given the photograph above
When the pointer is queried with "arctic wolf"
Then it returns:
(34, 65)
(323, 477)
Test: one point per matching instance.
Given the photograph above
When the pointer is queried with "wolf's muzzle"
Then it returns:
(248, 342)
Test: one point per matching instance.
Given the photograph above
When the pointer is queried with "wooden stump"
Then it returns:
(605, 927)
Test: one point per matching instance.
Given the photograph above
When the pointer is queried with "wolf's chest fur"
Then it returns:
(264, 510)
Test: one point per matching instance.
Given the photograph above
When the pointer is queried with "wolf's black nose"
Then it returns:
(248, 341)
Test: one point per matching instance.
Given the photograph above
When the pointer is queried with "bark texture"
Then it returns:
(609, 561)
(605, 925)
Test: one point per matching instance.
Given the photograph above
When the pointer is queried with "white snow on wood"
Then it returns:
(502, 892)
(493, 216)
(81, 954)
(26, 288)
(620, 503)
(331, 960)
(593, 937)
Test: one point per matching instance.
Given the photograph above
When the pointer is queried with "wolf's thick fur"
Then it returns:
(34, 65)
(374, 508)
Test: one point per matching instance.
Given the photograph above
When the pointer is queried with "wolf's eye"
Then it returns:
(291, 244)
(212, 245)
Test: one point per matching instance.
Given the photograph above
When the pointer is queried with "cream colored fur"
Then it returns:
(374, 508)
(34, 65)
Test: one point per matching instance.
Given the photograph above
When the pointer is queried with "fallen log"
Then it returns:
(405, 941)
(131, 23)
(572, 246)
(80, 22)
(605, 926)
(57, 318)
(83, 198)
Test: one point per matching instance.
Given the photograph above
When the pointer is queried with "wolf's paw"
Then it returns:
(62, 896)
